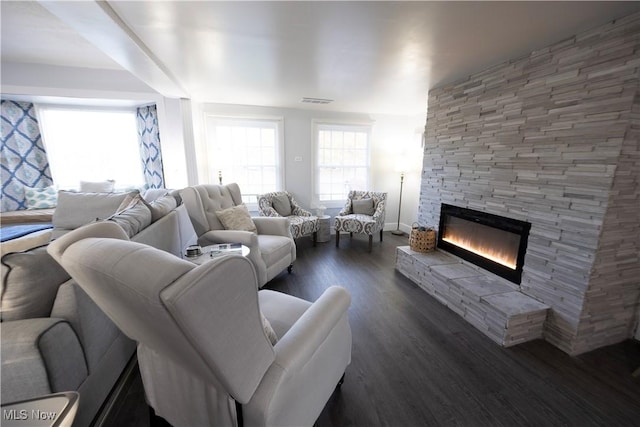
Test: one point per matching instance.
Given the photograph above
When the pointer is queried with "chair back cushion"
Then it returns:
(363, 206)
(203, 201)
(282, 204)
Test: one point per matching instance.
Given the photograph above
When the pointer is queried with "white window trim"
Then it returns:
(212, 176)
(366, 126)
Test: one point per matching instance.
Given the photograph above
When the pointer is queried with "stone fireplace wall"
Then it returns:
(552, 139)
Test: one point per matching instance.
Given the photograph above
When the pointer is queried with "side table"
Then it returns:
(324, 228)
(215, 251)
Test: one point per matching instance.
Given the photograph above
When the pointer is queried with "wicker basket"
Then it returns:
(422, 239)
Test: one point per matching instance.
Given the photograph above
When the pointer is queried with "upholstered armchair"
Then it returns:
(219, 216)
(363, 213)
(212, 349)
(282, 204)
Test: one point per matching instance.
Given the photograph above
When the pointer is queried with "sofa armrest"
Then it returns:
(246, 238)
(296, 347)
(40, 356)
(277, 226)
(315, 350)
(95, 331)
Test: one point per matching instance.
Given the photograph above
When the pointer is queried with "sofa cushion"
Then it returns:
(236, 218)
(77, 209)
(134, 218)
(97, 187)
(363, 206)
(41, 198)
(282, 205)
(30, 281)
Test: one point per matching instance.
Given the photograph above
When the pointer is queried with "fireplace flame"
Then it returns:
(493, 254)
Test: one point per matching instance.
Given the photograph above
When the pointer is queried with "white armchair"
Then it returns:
(271, 243)
(203, 348)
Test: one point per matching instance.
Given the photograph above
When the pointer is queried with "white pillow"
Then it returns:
(97, 187)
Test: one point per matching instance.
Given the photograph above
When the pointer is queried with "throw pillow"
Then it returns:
(97, 187)
(135, 218)
(363, 206)
(236, 218)
(41, 198)
(268, 329)
(162, 206)
(30, 283)
(77, 209)
(282, 205)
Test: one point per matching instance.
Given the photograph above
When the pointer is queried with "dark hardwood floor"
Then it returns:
(416, 363)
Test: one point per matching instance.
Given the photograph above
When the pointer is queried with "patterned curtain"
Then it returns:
(149, 138)
(23, 158)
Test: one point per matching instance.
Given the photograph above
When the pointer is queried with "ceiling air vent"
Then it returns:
(316, 100)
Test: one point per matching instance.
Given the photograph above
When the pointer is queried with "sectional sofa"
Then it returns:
(54, 337)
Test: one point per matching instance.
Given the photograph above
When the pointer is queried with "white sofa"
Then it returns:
(54, 337)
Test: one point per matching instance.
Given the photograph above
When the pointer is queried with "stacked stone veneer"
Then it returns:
(552, 139)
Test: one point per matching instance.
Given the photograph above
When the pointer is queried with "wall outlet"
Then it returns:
(297, 159)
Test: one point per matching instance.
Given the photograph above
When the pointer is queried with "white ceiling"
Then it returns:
(374, 57)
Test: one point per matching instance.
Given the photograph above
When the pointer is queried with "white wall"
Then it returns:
(182, 136)
(391, 136)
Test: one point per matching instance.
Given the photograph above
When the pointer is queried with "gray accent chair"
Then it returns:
(283, 204)
(363, 213)
(203, 349)
(272, 246)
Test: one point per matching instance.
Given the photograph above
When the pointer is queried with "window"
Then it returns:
(247, 152)
(342, 160)
(91, 145)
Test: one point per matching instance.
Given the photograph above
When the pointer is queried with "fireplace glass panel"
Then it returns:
(493, 242)
(497, 245)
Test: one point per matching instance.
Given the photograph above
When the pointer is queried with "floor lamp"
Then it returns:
(397, 231)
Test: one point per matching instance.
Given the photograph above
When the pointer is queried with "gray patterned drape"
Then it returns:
(149, 139)
(23, 160)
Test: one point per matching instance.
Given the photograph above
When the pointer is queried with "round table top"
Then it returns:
(215, 251)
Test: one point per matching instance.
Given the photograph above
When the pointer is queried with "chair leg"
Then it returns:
(337, 238)
(351, 235)
(290, 268)
(370, 242)
(381, 235)
(315, 238)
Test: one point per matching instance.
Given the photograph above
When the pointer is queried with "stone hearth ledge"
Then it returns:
(490, 303)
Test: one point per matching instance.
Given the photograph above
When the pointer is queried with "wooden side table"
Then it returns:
(324, 228)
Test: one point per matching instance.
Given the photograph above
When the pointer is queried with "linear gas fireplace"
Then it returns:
(493, 242)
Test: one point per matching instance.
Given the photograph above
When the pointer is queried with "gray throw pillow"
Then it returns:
(30, 282)
(363, 206)
(282, 205)
(134, 218)
(162, 206)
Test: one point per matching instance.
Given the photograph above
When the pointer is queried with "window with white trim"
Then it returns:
(247, 151)
(88, 144)
(342, 154)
